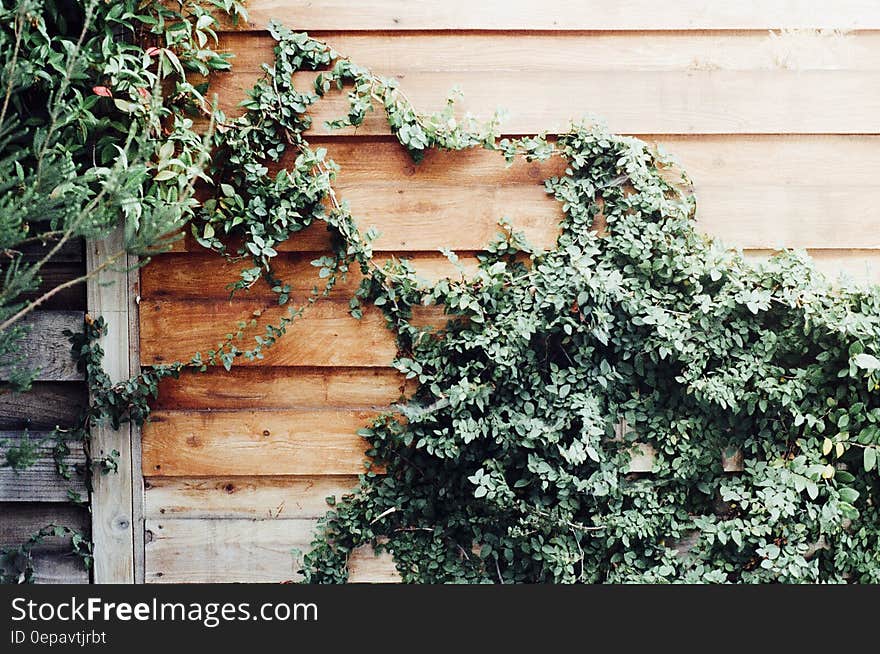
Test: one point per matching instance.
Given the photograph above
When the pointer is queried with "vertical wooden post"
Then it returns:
(113, 516)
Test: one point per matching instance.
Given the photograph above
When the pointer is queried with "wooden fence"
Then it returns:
(779, 131)
(38, 496)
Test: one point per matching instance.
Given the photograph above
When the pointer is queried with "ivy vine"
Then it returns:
(511, 461)
(508, 464)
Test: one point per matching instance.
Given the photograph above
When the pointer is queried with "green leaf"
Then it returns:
(870, 459)
(866, 361)
(164, 175)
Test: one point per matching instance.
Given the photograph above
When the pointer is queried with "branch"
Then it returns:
(71, 282)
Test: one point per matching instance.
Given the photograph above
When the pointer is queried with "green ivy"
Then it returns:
(511, 461)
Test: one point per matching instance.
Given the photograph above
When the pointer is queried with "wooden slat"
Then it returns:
(40, 482)
(282, 388)
(57, 568)
(564, 14)
(636, 102)
(212, 551)
(45, 406)
(243, 497)
(71, 251)
(752, 191)
(202, 275)
(578, 52)
(326, 335)
(27, 518)
(112, 494)
(217, 443)
(53, 275)
(137, 481)
(206, 551)
(365, 566)
(46, 348)
(22, 520)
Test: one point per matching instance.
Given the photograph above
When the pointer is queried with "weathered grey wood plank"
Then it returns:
(53, 275)
(19, 520)
(45, 406)
(54, 563)
(112, 494)
(46, 348)
(41, 481)
(70, 252)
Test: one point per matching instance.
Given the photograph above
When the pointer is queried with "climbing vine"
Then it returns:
(511, 461)
(634, 333)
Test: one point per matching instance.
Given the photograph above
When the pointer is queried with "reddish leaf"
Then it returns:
(103, 91)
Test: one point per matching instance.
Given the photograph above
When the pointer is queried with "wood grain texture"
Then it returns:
(576, 52)
(283, 388)
(41, 481)
(200, 275)
(137, 480)
(235, 550)
(23, 519)
(638, 102)
(221, 498)
(46, 348)
(563, 14)
(53, 275)
(325, 336)
(45, 406)
(225, 551)
(259, 443)
(847, 266)
(752, 192)
(112, 494)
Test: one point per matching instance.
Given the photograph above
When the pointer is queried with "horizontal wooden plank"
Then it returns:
(636, 102)
(53, 275)
(40, 482)
(325, 336)
(283, 388)
(23, 519)
(578, 52)
(206, 551)
(56, 568)
(279, 498)
(258, 443)
(212, 551)
(45, 406)
(46, 348)
(202, 275)
(563, 14)
(752, 192)
(830, 219)
(70, 251)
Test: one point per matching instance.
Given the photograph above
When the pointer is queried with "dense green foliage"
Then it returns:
(97, 133)
(509, 464)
